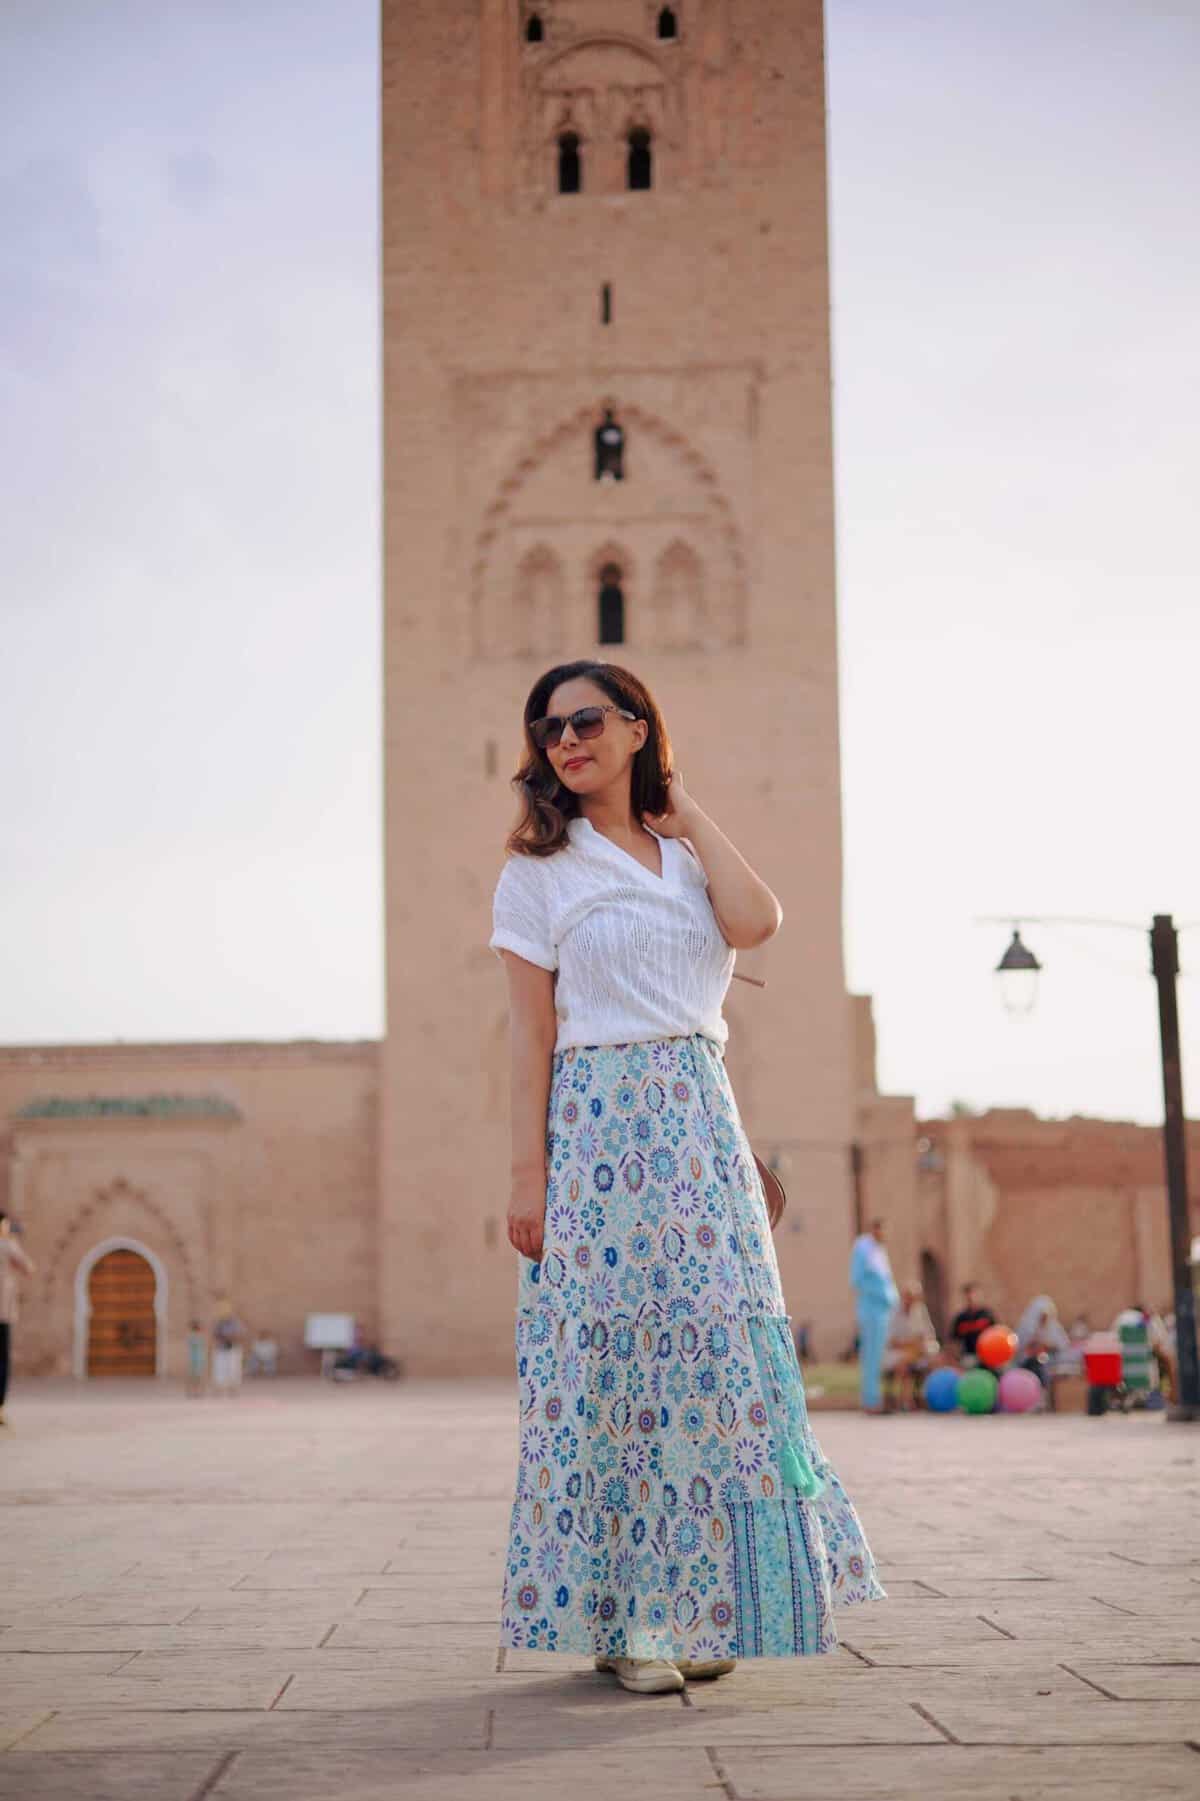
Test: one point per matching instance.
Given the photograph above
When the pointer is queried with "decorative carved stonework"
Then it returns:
(550, 531)
(600, 88)
(119, 1201)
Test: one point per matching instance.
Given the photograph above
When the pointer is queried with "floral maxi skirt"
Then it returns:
(671, 1500)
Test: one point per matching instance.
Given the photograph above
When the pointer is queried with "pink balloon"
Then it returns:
(1020, 1391)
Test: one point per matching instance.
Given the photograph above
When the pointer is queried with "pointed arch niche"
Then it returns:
(545, 535)
(538, 604)
(678, 602)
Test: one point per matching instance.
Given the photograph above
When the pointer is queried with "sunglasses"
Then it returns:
(585, 722)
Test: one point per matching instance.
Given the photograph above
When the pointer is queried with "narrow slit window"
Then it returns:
(611, 606)
(606, 304)
(641, 160)
(668, 24)
(570, 163)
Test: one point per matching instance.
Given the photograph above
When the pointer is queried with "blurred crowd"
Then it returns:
(897, 1344)
(1044, 1344)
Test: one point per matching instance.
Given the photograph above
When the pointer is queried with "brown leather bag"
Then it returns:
(774, 1193)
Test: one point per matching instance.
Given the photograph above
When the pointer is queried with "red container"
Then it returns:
(1103, 1368)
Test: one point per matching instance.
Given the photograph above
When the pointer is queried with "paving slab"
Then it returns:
(471, 1643)
(116, 1776)
(954, 1772)
(1144, 1682)
(455, 1719)
(18, 1722)
(998, 1721)
(773, 1685)
(582, 1714)
(64, 1666)
(296, 1596)
(1001, 1652)
(316, 1773)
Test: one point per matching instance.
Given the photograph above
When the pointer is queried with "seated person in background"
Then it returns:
(971, 1319)
(264, 1356)
(1042, 1342)
(911, 1347)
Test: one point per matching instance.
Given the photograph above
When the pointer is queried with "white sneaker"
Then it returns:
(643, 1675)
(704, 1672)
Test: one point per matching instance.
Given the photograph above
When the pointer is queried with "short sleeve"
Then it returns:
(521, 913)
(691, 862)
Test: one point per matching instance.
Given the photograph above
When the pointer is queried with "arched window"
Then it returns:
(570, 163)
(611, 606)
(534, 33)
(668, 24)
(641, 159)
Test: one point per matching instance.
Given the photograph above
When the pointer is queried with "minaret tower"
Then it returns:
(606, 431)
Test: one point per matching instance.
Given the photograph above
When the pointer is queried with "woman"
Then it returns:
(912, 1344)
(875, 1298)
(673, 1511)
(1042, 1342)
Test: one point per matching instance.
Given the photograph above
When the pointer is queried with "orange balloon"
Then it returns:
(996, 1346)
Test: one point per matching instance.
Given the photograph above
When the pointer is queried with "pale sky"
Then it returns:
(189, 506)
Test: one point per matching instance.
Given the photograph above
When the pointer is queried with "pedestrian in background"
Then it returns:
(13, 1264)
(875, 1296)
(197, 1355)
(227, 1334)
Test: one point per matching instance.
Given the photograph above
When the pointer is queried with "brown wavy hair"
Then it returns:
(547, 805)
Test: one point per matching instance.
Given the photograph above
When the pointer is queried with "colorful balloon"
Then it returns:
(941, 1390)
(1020, 1391)
(977, 1391)
(996, 1346)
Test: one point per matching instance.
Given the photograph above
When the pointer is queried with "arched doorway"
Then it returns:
(120, 1311)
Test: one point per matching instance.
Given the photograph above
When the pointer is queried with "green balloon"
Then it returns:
(977, 1391)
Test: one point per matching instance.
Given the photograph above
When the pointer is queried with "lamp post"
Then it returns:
(1018, 973)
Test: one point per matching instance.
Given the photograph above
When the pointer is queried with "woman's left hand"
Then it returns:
(676, 820)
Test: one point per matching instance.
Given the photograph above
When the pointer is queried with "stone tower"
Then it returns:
(603, 213)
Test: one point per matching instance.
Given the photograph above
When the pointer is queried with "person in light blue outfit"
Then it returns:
(876, 1297)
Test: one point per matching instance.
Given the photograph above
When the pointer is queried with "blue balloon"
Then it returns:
(941, 1391)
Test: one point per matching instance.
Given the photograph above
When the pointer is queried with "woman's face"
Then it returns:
(588, 766)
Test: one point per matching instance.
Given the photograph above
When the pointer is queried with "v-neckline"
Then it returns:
(629, 857)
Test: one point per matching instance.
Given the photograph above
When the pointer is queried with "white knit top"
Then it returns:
(638, 955)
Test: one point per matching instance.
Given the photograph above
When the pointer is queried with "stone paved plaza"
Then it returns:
(291, 1596)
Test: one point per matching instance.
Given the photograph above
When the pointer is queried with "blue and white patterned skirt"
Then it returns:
(671, 1499)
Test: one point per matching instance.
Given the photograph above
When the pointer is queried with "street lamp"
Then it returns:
(1017, 971)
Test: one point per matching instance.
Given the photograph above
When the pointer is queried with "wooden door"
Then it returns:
(122, 1330)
